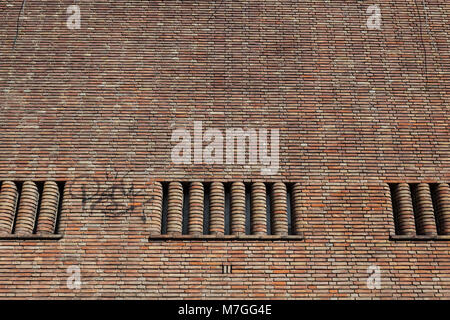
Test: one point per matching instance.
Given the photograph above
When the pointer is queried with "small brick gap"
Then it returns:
(248, 207)
(40, 188)
(433, 187)
(186, 195)
(412, 189)
(206, 208)
(227, 268)
(395, 209)
(289, 208)
(61, 187)
(19, 186)
(165, 187)
(227, 188)
(269, 187)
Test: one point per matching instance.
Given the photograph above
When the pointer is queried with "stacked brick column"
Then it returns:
(258, 208)
(26, 214)
(296, 205)
(217, 208)
(196, 195)
(156, 209)
(49, 208)
(426, 223)
(279, 217)
(403, 202)
(175, 208)
(443, 208)
(238, 208)
(8, 203)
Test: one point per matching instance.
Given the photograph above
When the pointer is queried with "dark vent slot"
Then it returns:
(206, 209)
(164, 208)
(227, 187)
(247, 208)
(289, 206)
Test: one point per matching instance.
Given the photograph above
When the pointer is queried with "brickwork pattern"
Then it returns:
(356, 109)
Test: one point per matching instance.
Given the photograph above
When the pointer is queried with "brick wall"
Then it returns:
(96, 107)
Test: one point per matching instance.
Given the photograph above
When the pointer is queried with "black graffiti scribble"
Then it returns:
(109, 194)
(18, 22)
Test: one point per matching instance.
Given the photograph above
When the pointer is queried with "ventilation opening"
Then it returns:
(36, 210)
(233, 209)
(421, 209)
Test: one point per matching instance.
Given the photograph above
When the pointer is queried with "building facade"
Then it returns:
(225, 149)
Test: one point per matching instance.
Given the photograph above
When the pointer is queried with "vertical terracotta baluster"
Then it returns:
(238, 208)
(296, 208)
(279, 209)
(443, 207)
(217, 211)
(196, 196)
(49, 208)
(156, 209)
(403, 201)
(8, 204)
(26, 214)
(426, 223)
(175, 208)
(258, 207)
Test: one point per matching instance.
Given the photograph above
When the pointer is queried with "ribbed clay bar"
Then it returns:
(238, 208)
(175, 208)
(425, 221)
(49, 208)
(258, 208)
(443, 207)
(196, 196)
(279, 216)
(296, 205)
(217, 208)
(156, 209)
(8, 204)
(26, 214)
(405, 213)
